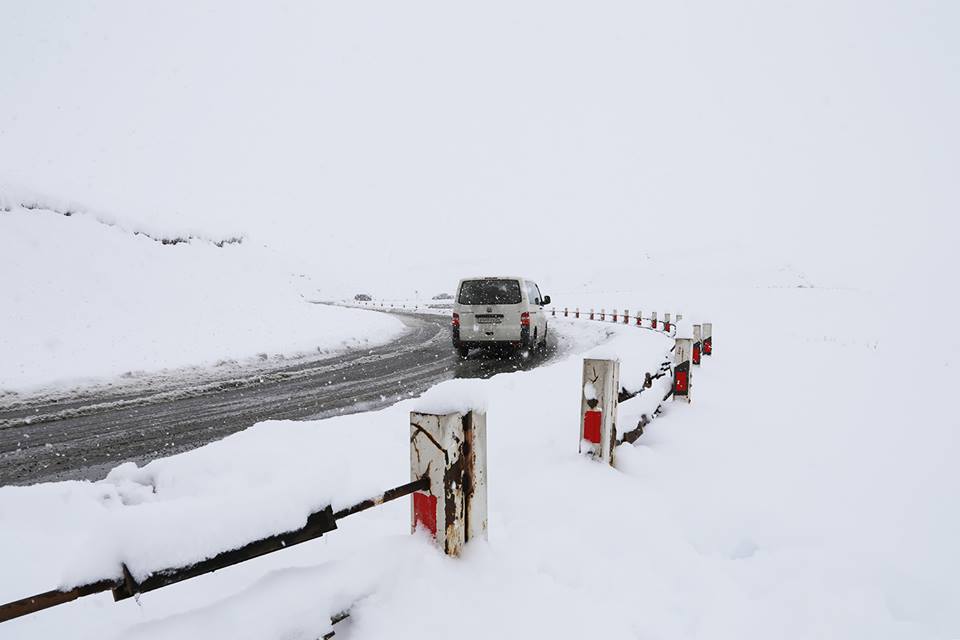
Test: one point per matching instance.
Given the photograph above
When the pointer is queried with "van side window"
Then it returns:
(533, 293)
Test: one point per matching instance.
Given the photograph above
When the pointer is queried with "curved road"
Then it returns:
(84, 436)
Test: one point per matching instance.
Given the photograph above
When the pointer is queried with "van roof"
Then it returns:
(495, 278)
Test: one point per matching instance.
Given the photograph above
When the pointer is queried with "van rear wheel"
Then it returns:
(463, 352)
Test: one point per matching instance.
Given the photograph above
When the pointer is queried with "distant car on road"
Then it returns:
(443, 296)
(499, 310)
(363, 297)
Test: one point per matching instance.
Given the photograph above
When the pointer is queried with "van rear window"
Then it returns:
(489, 292)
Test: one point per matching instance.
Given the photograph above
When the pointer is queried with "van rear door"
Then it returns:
(492, 306)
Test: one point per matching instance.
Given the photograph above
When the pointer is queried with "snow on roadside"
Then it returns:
(770, 507)
(126, 304)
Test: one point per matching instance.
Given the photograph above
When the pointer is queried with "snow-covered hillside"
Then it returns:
(86, 300)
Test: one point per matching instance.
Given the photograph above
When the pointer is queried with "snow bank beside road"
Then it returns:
(85, 300)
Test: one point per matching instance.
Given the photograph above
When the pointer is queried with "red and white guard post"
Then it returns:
(598, 408)
(450, 450)
(697, 346)
(708, 338)
(681, 369)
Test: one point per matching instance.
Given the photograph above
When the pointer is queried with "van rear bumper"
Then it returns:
(473, 340)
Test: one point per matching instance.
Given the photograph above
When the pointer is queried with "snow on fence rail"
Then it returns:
(449, 500)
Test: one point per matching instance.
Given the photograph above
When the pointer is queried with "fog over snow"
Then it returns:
(786, 171)
(416, 142)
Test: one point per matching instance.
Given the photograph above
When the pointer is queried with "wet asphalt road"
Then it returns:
(83, 436)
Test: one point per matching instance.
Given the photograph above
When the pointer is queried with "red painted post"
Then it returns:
(614, 315)
(451, 450)
(695, 357)
(598, 408)
(653, 320)
(681, 369)
(639, 318)
(708, 338)
(603, 315)
(666, 322)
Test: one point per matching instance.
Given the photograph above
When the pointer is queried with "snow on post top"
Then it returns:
(453, 396)
(684, 329)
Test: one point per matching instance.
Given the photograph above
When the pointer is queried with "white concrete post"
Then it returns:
(697, 346)
(566, 312)
(679, 317)
(591, 313)
(614, 315)
(681, 369)
(639, 318)
(603, 315)
(576, 313)
(708, 338)
(626, 316)
(598, 408)
(653, 320)
(451, 450)
(666, 322)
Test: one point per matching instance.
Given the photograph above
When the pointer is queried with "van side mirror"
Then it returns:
(545, 301)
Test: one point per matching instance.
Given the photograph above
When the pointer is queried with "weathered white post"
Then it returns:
(679, 317)
(708, 338)
(576, 313)
(598, 408)
(695, 358)
(603, 315)
(614, 315)
(566, 312)
(639, 318)
(626, 316)
(451, 450)
(666, 322)
(653, 320)
(591, 313)
(681, 369)
(553, 311)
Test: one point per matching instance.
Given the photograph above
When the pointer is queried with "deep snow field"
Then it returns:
(85, 301)
(807, 491)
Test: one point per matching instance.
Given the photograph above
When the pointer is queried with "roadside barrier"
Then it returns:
(448, 482)
(682, 378)
(695, 356)
(450, 451)
(598, 408)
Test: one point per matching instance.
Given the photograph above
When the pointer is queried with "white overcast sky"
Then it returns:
(431, 138)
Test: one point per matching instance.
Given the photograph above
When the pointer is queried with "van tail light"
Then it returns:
(456, 320)
(525, 319)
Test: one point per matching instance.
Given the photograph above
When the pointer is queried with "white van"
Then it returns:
(499, 310)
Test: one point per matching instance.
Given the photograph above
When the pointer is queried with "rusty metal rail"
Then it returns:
(125, 586)
(666, 369)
